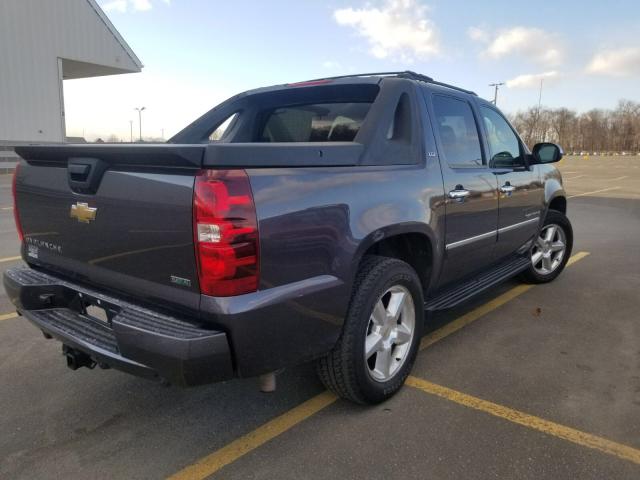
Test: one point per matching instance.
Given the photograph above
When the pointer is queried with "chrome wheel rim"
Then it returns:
(389, 333)
(549, 249)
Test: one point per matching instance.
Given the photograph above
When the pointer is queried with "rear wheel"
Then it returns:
(381, 333)
(551, 249)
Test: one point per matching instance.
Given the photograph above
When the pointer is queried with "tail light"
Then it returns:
(225, 233)
(16, 215)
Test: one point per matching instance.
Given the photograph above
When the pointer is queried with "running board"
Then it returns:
(453, 296)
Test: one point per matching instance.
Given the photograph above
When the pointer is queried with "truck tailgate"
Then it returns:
(115, 216)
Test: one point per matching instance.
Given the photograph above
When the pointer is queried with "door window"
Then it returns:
(503, 142)
(457, 131)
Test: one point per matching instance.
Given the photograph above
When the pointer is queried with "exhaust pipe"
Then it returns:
(77, 359)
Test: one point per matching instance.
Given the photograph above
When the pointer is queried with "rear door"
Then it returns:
(520, 190)
(469, 186)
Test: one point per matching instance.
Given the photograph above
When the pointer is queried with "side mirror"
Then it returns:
(546, 153)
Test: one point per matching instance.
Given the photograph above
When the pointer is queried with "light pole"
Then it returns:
(495, 92)
(131, 131)
(140, 109)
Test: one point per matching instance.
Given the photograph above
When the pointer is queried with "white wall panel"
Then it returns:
(34, 34)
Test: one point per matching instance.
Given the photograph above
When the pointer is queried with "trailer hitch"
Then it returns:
(77, 359)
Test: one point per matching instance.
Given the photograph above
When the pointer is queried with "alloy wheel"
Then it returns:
(390, 333)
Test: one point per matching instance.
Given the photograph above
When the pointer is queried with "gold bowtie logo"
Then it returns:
(83, 212)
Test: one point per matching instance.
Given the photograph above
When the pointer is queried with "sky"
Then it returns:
(196, 53)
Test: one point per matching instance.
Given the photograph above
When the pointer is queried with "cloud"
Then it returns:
(115, 6)
(331, 65)
(123, 6)
(398, 27)
(478, 34)
(617, 63)
(534, 44)
(532, 80)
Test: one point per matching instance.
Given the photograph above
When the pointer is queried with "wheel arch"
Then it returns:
(412, 243)
(555, 198)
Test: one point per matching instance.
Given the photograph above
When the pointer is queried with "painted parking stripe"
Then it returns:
(6, 208)
(210, 464)
(530, 421)
(8, 316)
(616, 179)
(10, 259)
(482, 310)
(595, 191)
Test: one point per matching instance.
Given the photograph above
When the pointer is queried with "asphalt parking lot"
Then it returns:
(525, 382)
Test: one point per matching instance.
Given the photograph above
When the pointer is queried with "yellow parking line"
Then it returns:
(482, 310)
(576, 257)
(261, 435)
(239, 447)
(8, 316)
(473, 315)
(10, 259)
(530, 421)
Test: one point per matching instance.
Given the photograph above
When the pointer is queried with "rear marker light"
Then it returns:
(225, 233)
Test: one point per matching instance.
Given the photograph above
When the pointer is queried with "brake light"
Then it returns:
(16, 215)
(225, 233)
(310, 83)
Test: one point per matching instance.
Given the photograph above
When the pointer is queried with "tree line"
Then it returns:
(598, 130)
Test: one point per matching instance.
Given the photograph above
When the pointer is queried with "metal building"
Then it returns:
(42, 43)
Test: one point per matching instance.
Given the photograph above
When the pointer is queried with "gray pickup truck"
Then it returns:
(320, 220)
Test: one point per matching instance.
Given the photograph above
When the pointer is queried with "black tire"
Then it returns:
(532, 275)
(344, 370)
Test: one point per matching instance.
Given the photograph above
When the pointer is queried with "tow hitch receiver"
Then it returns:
(77, 359)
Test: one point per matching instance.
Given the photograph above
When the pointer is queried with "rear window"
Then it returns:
(316, 122)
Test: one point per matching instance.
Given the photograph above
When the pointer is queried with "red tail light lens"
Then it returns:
(16, 215)
(225, 233)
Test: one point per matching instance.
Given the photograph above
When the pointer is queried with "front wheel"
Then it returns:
(551, 249)
(381, 333)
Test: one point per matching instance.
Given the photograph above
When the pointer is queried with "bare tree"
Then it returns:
(593, 131)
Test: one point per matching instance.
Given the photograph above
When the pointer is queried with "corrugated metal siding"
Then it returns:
(33, 35)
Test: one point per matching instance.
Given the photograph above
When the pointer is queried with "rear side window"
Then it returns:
(223, 128)
(320, 122)
(458, 132)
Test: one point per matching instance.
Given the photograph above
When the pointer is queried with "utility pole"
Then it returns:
(495, 92)
(131, 131)
(140, 110)
(540, 94)
(163, 134)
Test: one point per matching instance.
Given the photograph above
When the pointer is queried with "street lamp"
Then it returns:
(140, 109)
(495, 93)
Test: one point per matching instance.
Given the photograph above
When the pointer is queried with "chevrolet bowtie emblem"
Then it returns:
(83, 212)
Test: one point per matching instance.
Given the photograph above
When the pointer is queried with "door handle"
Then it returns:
(507, 188)
(459, 193)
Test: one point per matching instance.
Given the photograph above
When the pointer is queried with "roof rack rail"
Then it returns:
(424, 78)
(404, 74)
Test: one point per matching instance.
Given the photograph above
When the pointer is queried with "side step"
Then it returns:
(459, 293)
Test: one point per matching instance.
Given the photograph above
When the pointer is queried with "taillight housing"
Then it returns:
(225, 231)
(16, 215)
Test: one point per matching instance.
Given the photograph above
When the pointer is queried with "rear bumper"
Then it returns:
(134, 339)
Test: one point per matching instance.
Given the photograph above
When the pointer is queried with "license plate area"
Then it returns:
(94, 308)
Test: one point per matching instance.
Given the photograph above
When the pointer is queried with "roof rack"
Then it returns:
(403, 74)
